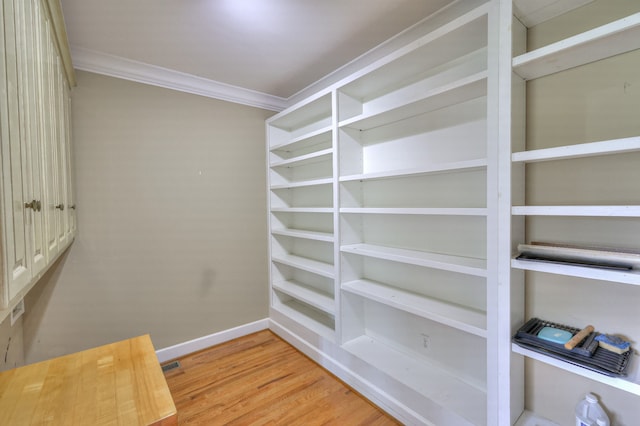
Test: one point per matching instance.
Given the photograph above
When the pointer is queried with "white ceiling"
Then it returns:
(256, 52)
(274, 47)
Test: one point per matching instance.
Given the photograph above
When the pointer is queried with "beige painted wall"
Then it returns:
(11, 349)
(596, 102)
(171, 216)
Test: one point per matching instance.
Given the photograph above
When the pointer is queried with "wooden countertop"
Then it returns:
(117, 384)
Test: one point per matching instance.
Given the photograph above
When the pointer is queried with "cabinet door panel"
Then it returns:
(62, 204)
(50, 148)
(27, 36)
(71, 201)
(16, 217)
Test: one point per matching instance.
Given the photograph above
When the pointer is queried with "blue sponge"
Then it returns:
(613, 343)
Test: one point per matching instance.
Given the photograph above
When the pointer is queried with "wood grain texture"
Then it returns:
(262, 380)
(116, 384)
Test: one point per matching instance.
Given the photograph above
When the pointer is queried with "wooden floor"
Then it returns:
(262, 380)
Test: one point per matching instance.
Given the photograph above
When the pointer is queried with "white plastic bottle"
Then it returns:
(590, 413)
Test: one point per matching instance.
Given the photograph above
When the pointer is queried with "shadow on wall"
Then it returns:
(14, 341)
(37, 300)
(12, 354)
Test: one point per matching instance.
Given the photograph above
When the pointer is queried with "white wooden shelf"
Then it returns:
(308, 140)
(301, 233)
(308, 317)
(456, 316)
(312, 110)
(462, 90)
(306, 294)
(451, 167)
(592, 211)
(623, 277)
(463, 265)
(615, 382)
(441, 77)
(309, 265)
(432, 211)
(301, 210)
(457, 397)
(304, 183)
(314, 157)
(614, 146)
(528, 418)
(452, 40)
(599, 43)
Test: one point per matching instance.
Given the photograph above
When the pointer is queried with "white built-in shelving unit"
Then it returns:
(301, 177)
(580, 186)
(397, 198)
(397, 168)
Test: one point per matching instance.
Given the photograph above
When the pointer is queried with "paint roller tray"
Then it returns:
(586, 354)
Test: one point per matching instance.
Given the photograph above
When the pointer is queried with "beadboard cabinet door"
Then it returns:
(15, 214)
(28, 34)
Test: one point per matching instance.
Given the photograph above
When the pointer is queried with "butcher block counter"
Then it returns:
(116, 384)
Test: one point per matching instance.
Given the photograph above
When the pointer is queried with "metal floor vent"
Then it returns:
(170, 366)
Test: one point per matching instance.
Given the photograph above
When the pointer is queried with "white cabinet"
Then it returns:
(36, 155)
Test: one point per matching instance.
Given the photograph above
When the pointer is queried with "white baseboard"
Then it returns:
(195, 345)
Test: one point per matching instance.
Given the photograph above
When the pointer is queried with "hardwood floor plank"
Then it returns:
(262, 380)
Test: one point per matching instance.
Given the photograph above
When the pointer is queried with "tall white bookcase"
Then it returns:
(397, 200)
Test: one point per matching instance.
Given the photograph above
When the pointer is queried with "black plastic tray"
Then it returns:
(601, 360)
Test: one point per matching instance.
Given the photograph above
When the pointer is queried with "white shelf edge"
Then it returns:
(529, 418)
(455, 316)
(622, 277)
(302, 210)
(431, 169)
(458, 22)
(463, 265)
(615, 382)
(304, 183)
(463, 84)
(307, 295)
(427, 211)
(313, 103)
(308, 235)
(592, 211)
(614, 146)
(446, 389)
(319, 268)
(305, 319)
(303, 159)
(590, 46)
(302, 138)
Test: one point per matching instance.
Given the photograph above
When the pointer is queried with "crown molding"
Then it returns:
(116, 66)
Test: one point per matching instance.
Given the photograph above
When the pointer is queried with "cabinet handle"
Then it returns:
(72, 206)
(60, 206)
(35, 205)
